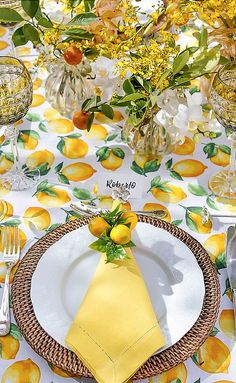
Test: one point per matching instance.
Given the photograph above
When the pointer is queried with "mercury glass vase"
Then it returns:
(150, 138)
(67, 87)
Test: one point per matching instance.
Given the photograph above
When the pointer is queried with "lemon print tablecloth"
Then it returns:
(70, 168)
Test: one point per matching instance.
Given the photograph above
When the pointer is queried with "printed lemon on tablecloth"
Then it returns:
(3, 190)
(187, 147)
(6, 162)
(6, 210)
(189, 168)
(38, 99)
(39, 216)
(110, 158)
(28, 139)
(72, 146)
(9, 347)
(96, 131)
(2, 31)
(58, 371)
(218, 154)
(194, 220)
(145, 164)
(213, 356)
(37, 83)
(51, 114)
(42, 160)
(60, 126)
(156, 206)
(23, 51)
(22, 371)
(172, 375)
(165, 191)
(215, 246)
(79, 171)
(118, 116)
(50, 195)
(3, 45)
(106, 202)
(224, 381)
(227, 323)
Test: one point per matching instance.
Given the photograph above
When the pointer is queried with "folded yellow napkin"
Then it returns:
(115, 330)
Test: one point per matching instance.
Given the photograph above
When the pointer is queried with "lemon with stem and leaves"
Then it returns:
(10, 343)
(41, 160)
(39, 216)
(215, 246)
(186, 148)
(173, 375)
(218, 154)
(110, 158)
(194, 220)
(72, 146)
(165, 191)
(6, 162)
(78, 171)
(145, 164)
(22, 371)
(50, 195)
(28, 139)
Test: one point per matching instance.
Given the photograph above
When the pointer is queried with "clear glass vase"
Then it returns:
(150, 138)
(67, 87)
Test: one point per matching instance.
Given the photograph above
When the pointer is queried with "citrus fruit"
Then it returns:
(39, 216)
(38, 99)
(178, 372)
(202, 228)
(213, 356)
(6, 210)
(60, 126)
(187, 147)
(5, 164)
(106, 202)
(74, 148)
(141, 160)
(38, 158)
(3, 45)
(174, 195)
(105, 120)
(9, 347)
(98, 132)
(80, 119)
(51, 114)
(37, 83)
(79, 171)
(157, 206)
(3, 190)
(112, 162)
(224, 381)
(189, 168)
(2, 31)
(23, 51)
(29, 142)
(227, 323)
(215, 245)
(22, 371)
(60, 198)
(221, 158)
(73, 55)
(97, 226)
(120, 234)
(58, 371)
(2, 139)
(130, 218)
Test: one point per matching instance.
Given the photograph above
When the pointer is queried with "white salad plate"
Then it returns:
(172, 275)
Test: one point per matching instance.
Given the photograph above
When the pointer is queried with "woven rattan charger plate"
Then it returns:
(53, 352)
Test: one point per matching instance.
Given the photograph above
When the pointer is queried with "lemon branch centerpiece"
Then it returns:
(113, 230)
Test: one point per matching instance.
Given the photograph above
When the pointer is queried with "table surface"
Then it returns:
(215, 361)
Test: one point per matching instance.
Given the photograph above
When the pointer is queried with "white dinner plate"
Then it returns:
(172, 275)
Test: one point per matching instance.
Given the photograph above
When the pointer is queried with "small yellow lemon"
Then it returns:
(23, 51)
(37, 83)
(60, 126)
(38, 99)
(202, 228)
(187, 147)
(157, 206)
(130, 218)
(213, 356)
(98, 132)
(58, 371)
(60, 198)
(215, 245)
(97, 226)
(112, 162)
(51, 114)
(29, 142)
(221, 158)
(174, 195)
(106, 202)
(74, 148)
(120, 234)
(3, 45)
(227, 323)
(22, 371)
(6, 210)
(105, 120)
(3, 190)
(178, 372)
(9, 347)
(2, 31)
(5, 164)
(189, 168)
(141, 160)
(40, 157)
(78, 171)
(39, 216)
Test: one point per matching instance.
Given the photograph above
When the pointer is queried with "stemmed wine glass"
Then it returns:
(16, 92)
(223, 101)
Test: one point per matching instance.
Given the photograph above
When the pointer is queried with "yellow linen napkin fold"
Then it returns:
(115, 330)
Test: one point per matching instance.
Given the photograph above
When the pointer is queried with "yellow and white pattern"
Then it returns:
(70, 169)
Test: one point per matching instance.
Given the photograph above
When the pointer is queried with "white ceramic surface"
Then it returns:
(171, 272)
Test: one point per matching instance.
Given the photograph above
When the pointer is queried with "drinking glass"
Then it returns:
(223, 100)
(16, 92)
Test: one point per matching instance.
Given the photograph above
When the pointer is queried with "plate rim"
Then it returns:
(47, 347)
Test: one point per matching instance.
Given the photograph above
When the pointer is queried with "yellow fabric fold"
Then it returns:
(115, 330)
